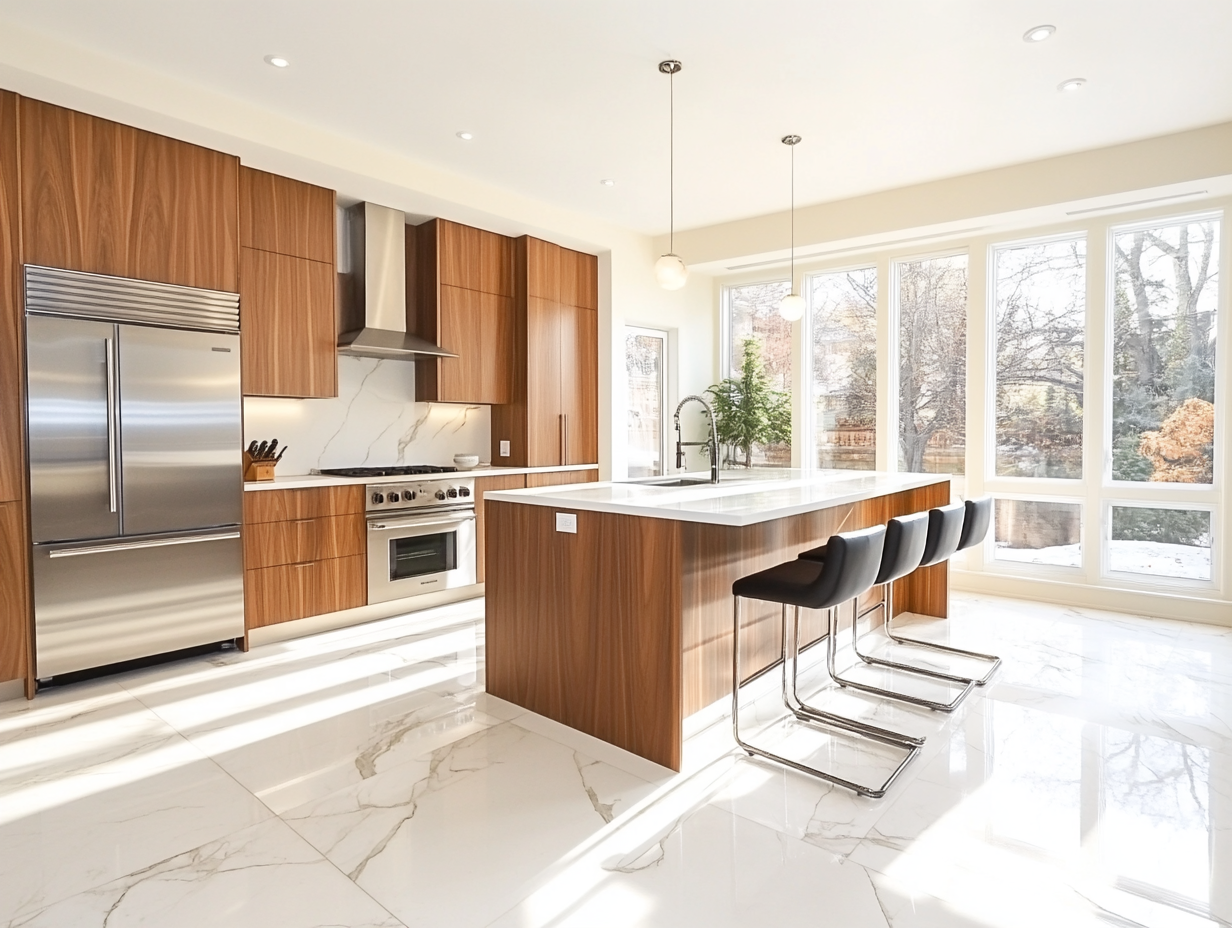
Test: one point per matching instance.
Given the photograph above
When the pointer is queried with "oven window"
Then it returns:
(423, 554)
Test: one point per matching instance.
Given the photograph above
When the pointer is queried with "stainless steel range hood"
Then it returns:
(374, 318)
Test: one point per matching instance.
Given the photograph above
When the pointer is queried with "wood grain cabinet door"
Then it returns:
(579, 384)
(483, 486)
(544, 426)
(12, 407)
(287, 325)
(106, 198)
(285, 216)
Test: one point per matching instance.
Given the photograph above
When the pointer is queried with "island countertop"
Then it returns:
(740, 498)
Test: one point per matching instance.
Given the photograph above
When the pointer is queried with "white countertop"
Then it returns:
(300, 481)
(740, 498)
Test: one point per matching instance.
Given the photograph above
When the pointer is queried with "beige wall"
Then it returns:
(67, 75)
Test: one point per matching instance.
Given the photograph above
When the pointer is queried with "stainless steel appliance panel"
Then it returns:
(74, 478)
(100, 603)
(422, 553)
(181, 431)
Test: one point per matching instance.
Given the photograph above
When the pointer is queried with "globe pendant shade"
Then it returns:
(792, 307)
(671, 272)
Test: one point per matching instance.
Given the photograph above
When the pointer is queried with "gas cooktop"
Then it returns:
(401, 470)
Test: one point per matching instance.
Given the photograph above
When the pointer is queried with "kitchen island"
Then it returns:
(609, 605)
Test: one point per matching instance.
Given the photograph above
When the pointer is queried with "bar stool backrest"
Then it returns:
(851, 566)
(975, 522)
(944, 531)
(904, 546)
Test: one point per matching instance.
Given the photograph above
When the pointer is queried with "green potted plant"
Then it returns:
(747, 410)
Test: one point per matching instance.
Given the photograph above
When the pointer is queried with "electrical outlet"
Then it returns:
(566, 522)
(504, 449)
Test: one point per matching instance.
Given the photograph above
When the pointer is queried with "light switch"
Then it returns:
(566, 522)
(504, 449)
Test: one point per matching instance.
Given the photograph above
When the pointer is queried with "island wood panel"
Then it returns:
(286, 216)
(12, 339)
(287, 332)
(298, 591)
(579, 383)
(268, 544)
(557, 478)
(106, 198)
(584, 628)
(305, 503)
(14, 595)
(483, 486)
(714, 557)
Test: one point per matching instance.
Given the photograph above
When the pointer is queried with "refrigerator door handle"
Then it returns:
(134, 545)
(112, 444)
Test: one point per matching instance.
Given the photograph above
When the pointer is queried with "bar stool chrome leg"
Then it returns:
(946, 649)
(880, 690)
(803, 711)
(887, 607)
(874, 792)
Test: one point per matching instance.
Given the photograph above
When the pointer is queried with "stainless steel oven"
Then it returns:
(420, 541)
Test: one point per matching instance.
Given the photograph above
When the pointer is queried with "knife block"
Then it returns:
(257, 471)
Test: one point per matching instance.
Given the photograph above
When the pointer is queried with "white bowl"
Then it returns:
(466, 460)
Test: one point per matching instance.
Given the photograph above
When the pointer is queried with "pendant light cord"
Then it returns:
(793, 218)
(671, 162)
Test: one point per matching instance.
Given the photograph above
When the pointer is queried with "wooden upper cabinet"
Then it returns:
(579, 384)
(460, 296)
(12, 408)
(286, 216)
(106, 198)
(579, 279)
(287, 326)
(543, 275)
(288, 287)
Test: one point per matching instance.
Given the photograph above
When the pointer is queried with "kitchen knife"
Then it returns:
(261, 450)
(269, 452)
(281, 453)
(252, 448)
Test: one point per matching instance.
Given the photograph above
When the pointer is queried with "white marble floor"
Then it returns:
(363, 778)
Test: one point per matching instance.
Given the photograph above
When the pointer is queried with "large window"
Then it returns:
(645, 370)
(843, 331)
(932, 365)
(1163, 381)
(756, 330)
(1040, 325)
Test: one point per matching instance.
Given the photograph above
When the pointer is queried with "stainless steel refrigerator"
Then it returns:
(136, 488)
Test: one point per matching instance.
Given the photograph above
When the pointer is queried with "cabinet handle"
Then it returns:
(564, 438)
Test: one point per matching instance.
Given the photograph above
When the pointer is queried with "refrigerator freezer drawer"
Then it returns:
(98, 603)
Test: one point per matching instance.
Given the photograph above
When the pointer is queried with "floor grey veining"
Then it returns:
(363, 778)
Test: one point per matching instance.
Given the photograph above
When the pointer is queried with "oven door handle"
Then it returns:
(413, 523)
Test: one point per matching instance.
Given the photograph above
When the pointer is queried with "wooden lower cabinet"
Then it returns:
(14, 592)
(485, 485)
(297, 591)
(305, 553)
(558, 478)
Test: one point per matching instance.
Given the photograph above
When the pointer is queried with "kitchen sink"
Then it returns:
(682, 482)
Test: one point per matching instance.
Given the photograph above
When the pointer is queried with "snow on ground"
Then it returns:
(1152, 558)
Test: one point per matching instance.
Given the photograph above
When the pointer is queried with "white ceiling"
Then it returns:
(561, 93)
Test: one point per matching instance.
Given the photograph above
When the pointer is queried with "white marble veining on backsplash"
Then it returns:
(374, 420)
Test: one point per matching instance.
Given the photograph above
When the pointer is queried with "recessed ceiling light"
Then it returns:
(608, 182)
(276, 61)
(464, 136)
(1069, 86)
(1038, 33)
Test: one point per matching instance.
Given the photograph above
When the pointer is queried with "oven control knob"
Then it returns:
(463, 492)
(440, 494)
(453, 493)
(378, 497)
(410, 495)
(393, 497)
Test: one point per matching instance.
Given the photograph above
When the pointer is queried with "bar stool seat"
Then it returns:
(849, 570)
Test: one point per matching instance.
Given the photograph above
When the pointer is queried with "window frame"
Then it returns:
(1174, 584)
(1026, 569)
(665, 392)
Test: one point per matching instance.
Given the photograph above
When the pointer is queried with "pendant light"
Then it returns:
(670, 270)
(792, 306)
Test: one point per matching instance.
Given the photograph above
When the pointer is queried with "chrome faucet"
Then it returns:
(713, 442)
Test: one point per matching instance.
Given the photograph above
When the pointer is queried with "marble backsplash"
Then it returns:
(374, 420)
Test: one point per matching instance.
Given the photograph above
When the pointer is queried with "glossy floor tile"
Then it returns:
(362, 777)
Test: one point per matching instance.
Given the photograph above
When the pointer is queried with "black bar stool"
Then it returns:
(848, 572)
(944, 540)
(906, 541)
